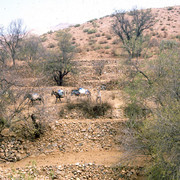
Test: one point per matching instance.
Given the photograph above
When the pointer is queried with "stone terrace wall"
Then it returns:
(66, 137)
(75, 172)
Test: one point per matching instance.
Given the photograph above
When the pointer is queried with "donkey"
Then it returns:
(58, 95)
(83, 91)
(34, 97)
(75, 92)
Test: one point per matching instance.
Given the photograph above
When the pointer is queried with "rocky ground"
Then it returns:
(72, 146)
(72, 149)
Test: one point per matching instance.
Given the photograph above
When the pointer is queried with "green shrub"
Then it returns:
(90, 31)
(77, 25)
(156, 132)
(50, 32)
(102, 42)
(92, 20)
(135, 111)
(168, 44)
(107, 47)
(85, 30)
(170, 8)
(178, 37)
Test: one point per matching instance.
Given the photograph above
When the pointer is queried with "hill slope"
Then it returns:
(96, 40)
(74, 147)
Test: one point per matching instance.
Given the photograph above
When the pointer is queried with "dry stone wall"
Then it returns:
(76, 171)
(66, 137)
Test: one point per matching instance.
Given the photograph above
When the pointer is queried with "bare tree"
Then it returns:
(60, 63)
(30, 48)
(9, 39)
(129, 27)
(99, 67)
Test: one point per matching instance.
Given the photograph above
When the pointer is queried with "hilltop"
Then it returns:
(96, 40)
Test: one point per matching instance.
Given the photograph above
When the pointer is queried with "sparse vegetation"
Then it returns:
(92, 41)
(170, 8)
(157, 132)
(137, 73)
(60, 63)
(10, 39)
(92, 20)
(31, 48)
(90, 31)
(99, 67)
(168, 44)
(107, 47)
(43, 38)
(103, 42)
(77, 25)
(50, 32)
(90, 109)
(97, 35)
(51, 45)
(30, 129)
(108, 37)
(130, 32)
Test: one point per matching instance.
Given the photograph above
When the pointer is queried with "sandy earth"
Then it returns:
(107, 158)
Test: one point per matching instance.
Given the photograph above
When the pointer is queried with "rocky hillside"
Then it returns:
(73, 146)
(96, 40)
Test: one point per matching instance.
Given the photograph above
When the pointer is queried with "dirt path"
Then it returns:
(106, 158)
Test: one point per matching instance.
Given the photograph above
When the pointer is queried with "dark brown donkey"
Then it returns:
(57, 95)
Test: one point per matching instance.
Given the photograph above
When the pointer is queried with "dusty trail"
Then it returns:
(107, 158)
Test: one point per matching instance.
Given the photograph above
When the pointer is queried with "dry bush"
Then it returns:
(116, 41)
(113, 84)
(154, 42)
(99, 67)
(51, 45)
(108, 37)
(115, 53)
(89, 109)
(103, 42)
(30, 128)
